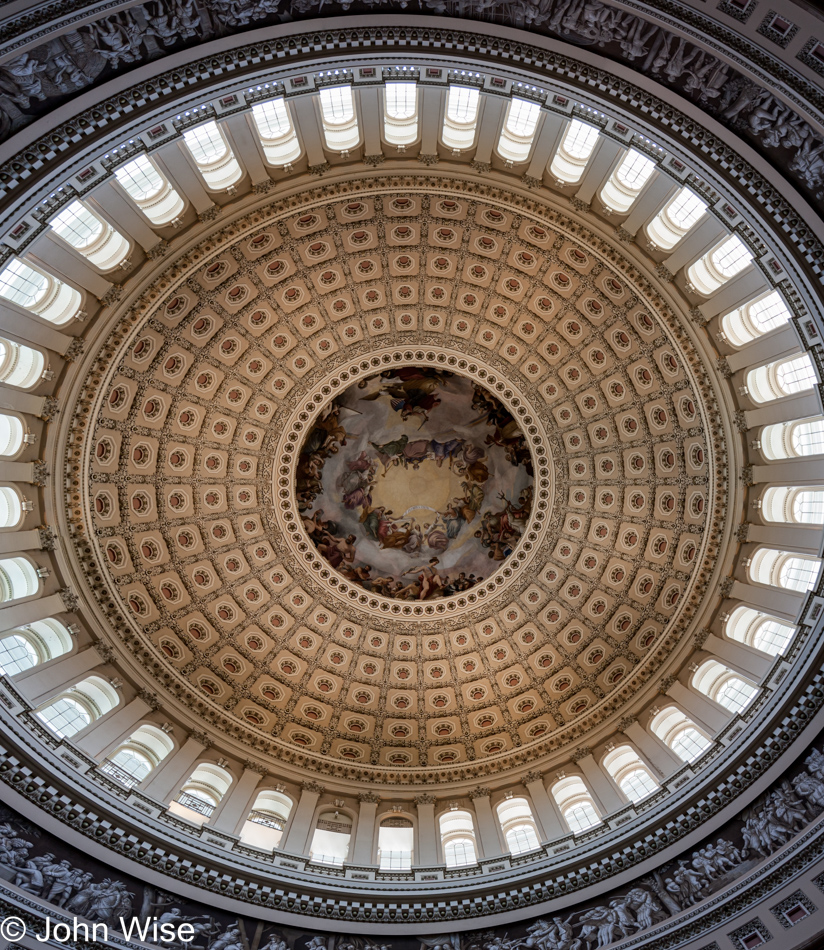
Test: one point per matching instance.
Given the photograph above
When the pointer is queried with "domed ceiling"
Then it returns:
(406, 482)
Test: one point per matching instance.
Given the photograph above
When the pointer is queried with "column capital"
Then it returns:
(150, 699)
(202, 738)
(480, 792)
(580, 753)
(315, 787)
(533, 776)
(251, 766)
(369, 798)
(626, 722)
(424, 799)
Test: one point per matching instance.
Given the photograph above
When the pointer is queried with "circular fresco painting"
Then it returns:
(415, 483)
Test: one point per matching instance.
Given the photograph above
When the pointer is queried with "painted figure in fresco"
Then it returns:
(20, 80)
(118, 39)
(413, 391)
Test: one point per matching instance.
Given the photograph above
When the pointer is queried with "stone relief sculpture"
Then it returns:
(32, 83)
(37, 864)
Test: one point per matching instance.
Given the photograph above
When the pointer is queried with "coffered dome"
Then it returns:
(410, 473)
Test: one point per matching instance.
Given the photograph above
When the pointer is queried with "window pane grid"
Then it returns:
(798, 573)
(796, 375)
(522, 839)
(580, 139)
(401, 99)
(77, 225)
(16, 655)
(686, 209)
(735, 694)
(772, 637)
(769, 312)
(581, 817)
(635, 169)
(458, 854)
(271, 118)
(462, 105)
(64, 717)
(140, 179)
(523, 117)
(22, 285)
(689, 744)
(808, 437)
(637, 785)
(732, 257)
(205, 143)
(808, 507)
(336, 104)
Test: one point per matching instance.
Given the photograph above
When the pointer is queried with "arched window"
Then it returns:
(90, 236)
(461, 120)
(215, 160)
(755, 318)
(626, 182)
(333, 832)
(518, 825)
(142, 752)
(576, 804)
(74, 709)
(674, 220)
(458, 838)
(277, 131)
(783, 377)
(18, 578)
(150, 191)
(400, 116)
(265, 822)
(630, 773)
(201, 793)
(39, 293)
(340, 124)
(11, 507)
(20, 365)
(574, 152)
(518, 132)
(680, 733)
(765, 633)
(396, 837)
(793, 505)
(782, 569)
(11, 435)
(798, 439)
(719, 265)
(29, 646)
(729, 689)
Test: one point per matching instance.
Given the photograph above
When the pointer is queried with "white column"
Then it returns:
(656, 196)
(18, 401)
(307, 121)
(705, 235)
(369, 113)
(547, 140)
(245, 146)
(765, 348)
(21, 614)
(109, 730)
(604, 156)
(184, 177)
(12, 541)
(546, 809)
(738, 656)
(164, 782)
(792, 537)
(234, 807)
(709, 715)
(656, 753)
(427, 854)
(362, 853)
(31, 329)
(38, 684)
(488, 828)
(296, 840)
(431, 117)
(67, 264)
(118, 206)
(489, 126)
(772, 600)
(601, 786)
